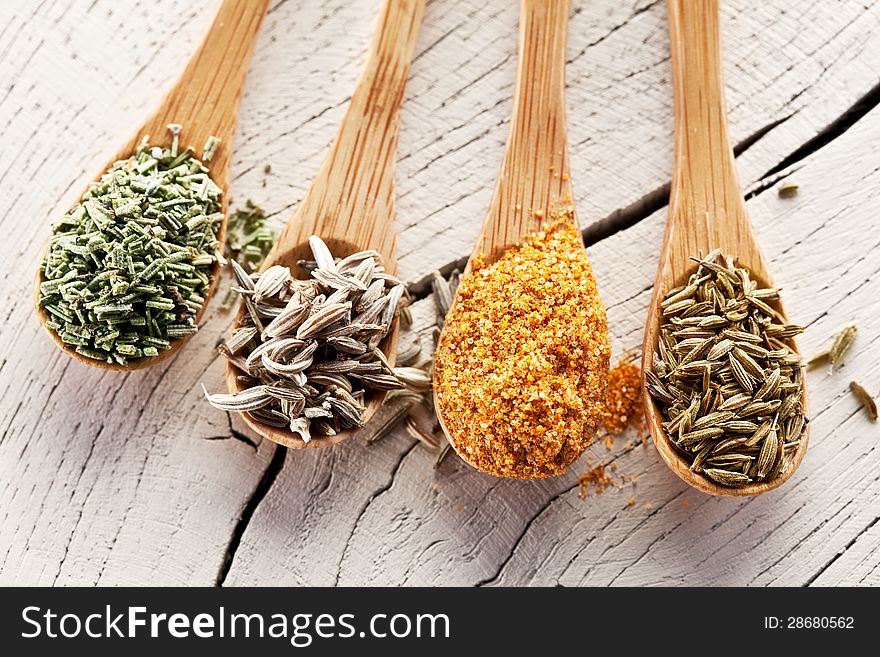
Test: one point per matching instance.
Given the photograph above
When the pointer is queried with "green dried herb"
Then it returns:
(128, 267)
(248, 239)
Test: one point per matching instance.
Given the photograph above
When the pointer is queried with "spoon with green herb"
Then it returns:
(129, 270)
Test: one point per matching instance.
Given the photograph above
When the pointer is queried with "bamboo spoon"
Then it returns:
(204, 101)
(534, 179)
(350, 204)
(534, 176)
(706, 205)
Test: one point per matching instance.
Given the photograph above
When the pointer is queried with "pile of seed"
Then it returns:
(726, 381)
(522, 363)
(128, 267)
(308, 350)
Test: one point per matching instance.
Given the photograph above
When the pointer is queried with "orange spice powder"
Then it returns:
(522, 363)
(597, 478)
(623, 407)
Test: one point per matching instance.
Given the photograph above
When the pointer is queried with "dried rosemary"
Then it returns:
(128, 267)
(248, 239)
(308, 350)
(725, 380)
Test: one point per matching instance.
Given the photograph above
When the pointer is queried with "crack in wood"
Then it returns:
(837, 556)
(377, 493)
(488, 581)
(270, 474)
(82, 507)
(619, 26)
(801, 542)
(830, 132)
(613, 223)
(236, 434)
(623, 540)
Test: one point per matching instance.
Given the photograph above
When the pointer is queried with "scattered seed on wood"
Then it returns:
(788, 189)
(865, 399)
(843, 341)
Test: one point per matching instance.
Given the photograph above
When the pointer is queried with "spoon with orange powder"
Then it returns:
(522, 362)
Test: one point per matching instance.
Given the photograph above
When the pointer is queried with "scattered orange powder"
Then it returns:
(522, 363)
(623, 406)
(596, 478)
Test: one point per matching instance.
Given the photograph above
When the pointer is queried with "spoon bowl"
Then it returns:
(290, 257)
(204, 101)
(706, 209)
(350, 204)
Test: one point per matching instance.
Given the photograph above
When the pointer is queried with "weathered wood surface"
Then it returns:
(110, 478)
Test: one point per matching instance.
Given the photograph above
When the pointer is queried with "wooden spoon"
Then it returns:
(534, 180)
(350, 204)
(706, 206)
(204, 101)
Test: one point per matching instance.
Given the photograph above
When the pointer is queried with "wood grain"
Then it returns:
(535, 176)
(707, 210)
(350, 204)
(132, 479)
(204, 102)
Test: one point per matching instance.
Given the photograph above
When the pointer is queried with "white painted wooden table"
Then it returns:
(133, 479)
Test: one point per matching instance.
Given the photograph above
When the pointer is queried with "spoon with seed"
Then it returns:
(204, 102)
(350, 204)
(533, 188)
(707, 210)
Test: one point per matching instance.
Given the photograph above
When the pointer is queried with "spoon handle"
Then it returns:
(534, 179)
(351, 200)
(706, 205)
(206, 96)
